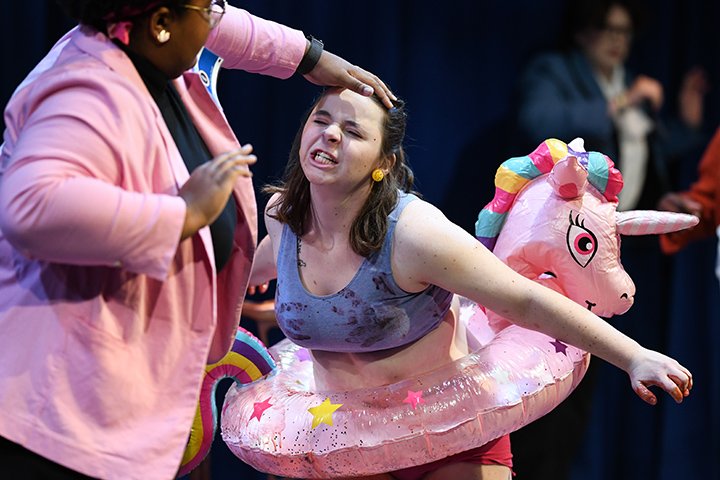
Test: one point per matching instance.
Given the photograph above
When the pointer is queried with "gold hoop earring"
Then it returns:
(163, 36)
(378, 175)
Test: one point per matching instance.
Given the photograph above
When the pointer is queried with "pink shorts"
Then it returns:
(495, 452)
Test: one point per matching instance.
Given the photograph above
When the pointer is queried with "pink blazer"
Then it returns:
(106, 319)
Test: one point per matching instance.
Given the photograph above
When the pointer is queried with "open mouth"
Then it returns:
(323, 158)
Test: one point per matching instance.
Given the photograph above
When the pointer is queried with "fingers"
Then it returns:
(696, 80)
(236, 162)
(674, 202)
(693, 207)
(683, 387)
(332, 70)
(683, 379)
(647, 88)
(253, 289)
(674, 391)
(678, 386)
(368, 83)
(237, 166)
(669, 203)
(643, 392)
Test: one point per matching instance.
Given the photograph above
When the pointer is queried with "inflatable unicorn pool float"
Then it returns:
(553, 219)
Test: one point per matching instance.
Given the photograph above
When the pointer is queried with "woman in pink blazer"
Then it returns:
(127, 231)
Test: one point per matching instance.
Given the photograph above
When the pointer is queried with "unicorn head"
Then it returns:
(554, 219)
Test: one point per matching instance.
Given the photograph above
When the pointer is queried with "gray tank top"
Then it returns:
(371, 313)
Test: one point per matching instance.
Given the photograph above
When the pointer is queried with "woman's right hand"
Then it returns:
(646, 89)
(677, 202)
(207, 190)
(332, 70)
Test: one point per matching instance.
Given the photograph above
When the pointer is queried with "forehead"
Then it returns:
(348, 105)
(618, 15)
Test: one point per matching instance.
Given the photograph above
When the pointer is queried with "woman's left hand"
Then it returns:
(335, 71)
(655, 369)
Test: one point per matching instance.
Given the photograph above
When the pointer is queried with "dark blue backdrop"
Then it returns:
(455, 63)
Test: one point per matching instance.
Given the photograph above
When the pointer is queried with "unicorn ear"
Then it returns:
(652, 222)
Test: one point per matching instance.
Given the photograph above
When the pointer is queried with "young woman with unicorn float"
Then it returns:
(388, 370)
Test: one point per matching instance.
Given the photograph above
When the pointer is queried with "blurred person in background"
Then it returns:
(587, 90)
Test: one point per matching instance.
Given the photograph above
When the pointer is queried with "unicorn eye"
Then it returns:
(581, 242)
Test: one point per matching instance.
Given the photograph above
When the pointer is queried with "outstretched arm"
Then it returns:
(429, 249)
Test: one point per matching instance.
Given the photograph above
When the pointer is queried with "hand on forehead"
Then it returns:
(343, 104)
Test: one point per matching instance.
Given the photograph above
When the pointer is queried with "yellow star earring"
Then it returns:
(377, 175)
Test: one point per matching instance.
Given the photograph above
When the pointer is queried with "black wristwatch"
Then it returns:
(312, 56)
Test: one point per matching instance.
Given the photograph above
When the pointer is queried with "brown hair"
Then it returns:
(368, 230)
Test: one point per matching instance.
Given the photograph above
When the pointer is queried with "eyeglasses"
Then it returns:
(213, 14)
(617, 31)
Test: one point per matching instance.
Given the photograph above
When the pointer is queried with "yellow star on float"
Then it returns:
(323, 412)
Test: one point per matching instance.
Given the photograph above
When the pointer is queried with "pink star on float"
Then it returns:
(560, 347)
(413, 398)
(259, 408)
(303, 355)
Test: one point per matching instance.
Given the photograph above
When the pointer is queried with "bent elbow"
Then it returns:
(14, 230)
(18, 220)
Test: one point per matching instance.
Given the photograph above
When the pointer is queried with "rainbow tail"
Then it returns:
(247, 361)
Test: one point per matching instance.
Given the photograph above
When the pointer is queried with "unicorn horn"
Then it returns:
(653, 222)
(577, 145)
(568, 178)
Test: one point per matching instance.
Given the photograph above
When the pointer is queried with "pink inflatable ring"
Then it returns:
(280, 425)
(554, 220)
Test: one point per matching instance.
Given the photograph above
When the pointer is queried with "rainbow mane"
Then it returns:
(517, 172)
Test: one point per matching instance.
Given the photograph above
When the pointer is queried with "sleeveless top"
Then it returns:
(371, 313)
